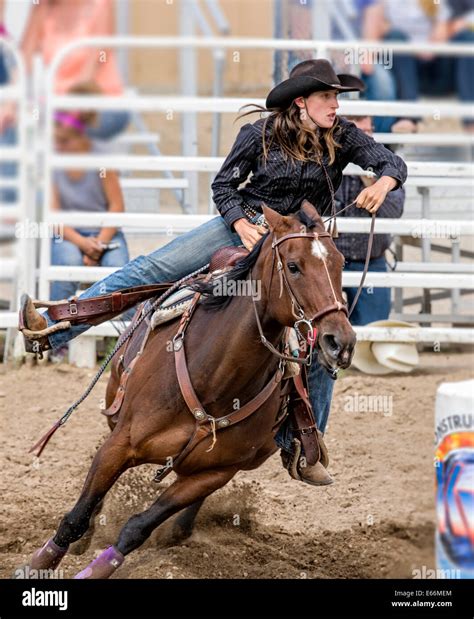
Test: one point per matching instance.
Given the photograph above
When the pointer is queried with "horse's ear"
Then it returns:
(273, 219)
(310, 210)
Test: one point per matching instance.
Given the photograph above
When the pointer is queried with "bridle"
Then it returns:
(296, 307)
(337, 306)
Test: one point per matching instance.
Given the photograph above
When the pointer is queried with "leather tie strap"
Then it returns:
(205, 423)
(187, 389)
(305, 421)
(88, 310)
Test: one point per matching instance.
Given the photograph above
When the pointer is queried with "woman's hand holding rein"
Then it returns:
(249, 233)
(371, 198)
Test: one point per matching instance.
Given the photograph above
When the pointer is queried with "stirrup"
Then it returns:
(37, 335)
(36, 341)
(291, 460)
(29, 334)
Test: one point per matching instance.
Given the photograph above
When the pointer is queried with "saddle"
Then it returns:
(96, 310)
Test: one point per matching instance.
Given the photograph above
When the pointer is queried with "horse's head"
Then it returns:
(304, 275)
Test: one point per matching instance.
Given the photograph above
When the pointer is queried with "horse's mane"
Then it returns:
(211, 300)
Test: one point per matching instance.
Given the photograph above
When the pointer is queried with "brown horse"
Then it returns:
(227, 364)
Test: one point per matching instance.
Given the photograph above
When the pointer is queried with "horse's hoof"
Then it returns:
(81, 546)
(180, 534)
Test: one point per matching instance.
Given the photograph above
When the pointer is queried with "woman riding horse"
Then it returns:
(297, 152)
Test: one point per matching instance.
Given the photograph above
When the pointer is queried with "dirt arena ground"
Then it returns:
(376, 521)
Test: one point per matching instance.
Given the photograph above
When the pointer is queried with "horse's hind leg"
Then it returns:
(184, 492)
(184, 524)
(112, 459)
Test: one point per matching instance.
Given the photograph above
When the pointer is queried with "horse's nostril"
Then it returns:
(332, 344)
(344, 358)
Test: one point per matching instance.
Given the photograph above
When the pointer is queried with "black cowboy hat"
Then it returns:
(311, 76)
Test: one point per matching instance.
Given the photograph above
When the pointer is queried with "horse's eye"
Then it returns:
(293, 267)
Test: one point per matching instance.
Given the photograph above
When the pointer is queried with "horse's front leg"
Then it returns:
(112, 459)
(82, 544)
(184, 524)
(185, 491)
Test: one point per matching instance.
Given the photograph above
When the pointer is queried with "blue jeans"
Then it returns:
(65, 253)
(3, 69)
(178, 258)
(464, 70)
(181, 256)
(380, 86)
(8, 169)
(440, 76)
(374, 303)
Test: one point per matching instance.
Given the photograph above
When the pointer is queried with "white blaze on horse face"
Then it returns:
(318, 250)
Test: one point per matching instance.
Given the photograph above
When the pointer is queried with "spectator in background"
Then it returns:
(52, 24)
(3, 33)
(379, 80)
(427, 21)
(373, 304)
(364, 17)
(460, 29)
(461, 19)
(7, 168)
(79, 190)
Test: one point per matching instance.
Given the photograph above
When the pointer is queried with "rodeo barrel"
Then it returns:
(455, 479)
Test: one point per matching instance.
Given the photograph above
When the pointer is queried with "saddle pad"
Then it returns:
(173, 307)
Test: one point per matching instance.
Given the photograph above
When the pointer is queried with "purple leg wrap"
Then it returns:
(104, 566)
(48, 557)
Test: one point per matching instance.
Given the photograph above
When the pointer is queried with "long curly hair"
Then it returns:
(297, 141)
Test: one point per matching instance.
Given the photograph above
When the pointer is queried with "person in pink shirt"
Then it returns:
(58, 22)
(52, 24)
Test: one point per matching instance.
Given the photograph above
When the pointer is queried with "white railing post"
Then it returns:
(188, 84)
(23, 272)
(456, 259)
(48, 145)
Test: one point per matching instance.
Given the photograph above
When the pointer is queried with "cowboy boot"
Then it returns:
(34, 327)
(315, 474)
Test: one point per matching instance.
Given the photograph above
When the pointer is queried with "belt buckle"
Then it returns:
(73, 309)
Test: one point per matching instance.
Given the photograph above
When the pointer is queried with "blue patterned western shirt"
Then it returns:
(282, 183)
